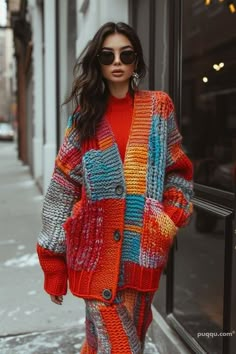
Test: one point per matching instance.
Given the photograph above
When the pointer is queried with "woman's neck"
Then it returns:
(118, 90)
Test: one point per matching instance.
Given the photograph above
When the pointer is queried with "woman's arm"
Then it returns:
(178, 188)
(63, 191)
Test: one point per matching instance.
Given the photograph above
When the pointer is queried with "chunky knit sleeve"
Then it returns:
(178, 188)
(63, 191)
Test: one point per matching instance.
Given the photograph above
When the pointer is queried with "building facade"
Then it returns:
(189, 48)
(7, 76)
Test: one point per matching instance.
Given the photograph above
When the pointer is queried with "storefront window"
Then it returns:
(199, 284)
(208, 126)
(208, 121)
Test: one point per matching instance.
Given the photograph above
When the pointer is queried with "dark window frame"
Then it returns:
(205, 196)
(221, 199)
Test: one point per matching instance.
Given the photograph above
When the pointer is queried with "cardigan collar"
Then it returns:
(137, 145)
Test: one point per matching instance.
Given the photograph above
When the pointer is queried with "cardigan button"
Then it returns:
(107, 294)
(117, 235)
(119, 190)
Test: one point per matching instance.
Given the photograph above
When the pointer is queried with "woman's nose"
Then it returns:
(117, 58)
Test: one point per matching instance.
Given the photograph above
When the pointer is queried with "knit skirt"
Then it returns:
(120, 327)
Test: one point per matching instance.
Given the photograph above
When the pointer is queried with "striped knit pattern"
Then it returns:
(63, 191)
(120, 327)
(96, 197)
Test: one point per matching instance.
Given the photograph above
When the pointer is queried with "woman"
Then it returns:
(121, 188)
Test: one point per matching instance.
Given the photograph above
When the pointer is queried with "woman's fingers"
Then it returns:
(57, 299)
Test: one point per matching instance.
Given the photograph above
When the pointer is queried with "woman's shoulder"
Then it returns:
(160, 95)
(162, 101)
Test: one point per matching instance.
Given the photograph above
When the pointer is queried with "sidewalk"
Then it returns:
(25, 307)
(30, 322)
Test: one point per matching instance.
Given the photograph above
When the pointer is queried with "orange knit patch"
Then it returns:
(62, 167)
(86, 349)
(117, 335)
(133, 228)
(135, 166)
(129, 296)
(173, 195)
(182, 164)
(164, 105)
(106, 142)
(157, 235)
(111, 251)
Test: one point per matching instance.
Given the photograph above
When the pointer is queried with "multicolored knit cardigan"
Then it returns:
(109, 225)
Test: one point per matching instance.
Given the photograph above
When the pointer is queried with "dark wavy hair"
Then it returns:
(89, 90)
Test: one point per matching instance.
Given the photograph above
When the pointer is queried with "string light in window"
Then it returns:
(219, 66)
(231, 7)
(230, 4)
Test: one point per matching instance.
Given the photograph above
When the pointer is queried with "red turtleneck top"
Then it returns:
(119, 115)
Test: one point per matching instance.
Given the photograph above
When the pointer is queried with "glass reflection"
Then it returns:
(209, 92)
(199, 282)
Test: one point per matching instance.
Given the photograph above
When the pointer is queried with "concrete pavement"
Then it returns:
(25, 307)
(29, 321)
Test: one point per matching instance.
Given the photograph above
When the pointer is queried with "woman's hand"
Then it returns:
(57, 299)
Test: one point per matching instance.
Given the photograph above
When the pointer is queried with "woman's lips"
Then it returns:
(117, 72)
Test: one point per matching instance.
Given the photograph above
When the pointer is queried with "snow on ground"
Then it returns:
(67, 341)
(27, 260)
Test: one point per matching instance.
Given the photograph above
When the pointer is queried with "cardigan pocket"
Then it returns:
(158, 233)
(84, 236)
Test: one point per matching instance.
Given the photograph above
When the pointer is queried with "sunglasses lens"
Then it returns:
(106, 57)
(127, 56)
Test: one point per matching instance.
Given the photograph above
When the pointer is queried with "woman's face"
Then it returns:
(117, 72)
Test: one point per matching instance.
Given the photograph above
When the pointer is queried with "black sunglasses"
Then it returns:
(107, 57)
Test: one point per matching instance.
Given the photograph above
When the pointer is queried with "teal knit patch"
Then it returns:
(131, 246)
(156, 159)
(103, 174)
(134, 209)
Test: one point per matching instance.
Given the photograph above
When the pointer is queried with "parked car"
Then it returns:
(6, 131)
